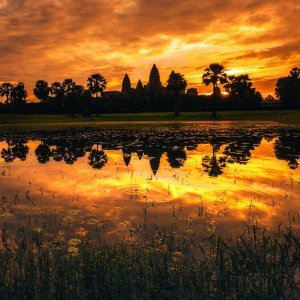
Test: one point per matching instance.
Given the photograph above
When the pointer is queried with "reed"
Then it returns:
(252, 265)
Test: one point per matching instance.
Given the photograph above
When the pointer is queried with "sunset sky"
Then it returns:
(57, 39)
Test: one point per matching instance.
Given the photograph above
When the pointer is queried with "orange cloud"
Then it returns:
(53, 40)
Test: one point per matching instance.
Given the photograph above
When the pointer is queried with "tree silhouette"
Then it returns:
(41, 90)
(86, 102)
(56, 88)
(96, 84)
(18, 94)
(20, 150)
(70, 156)
(43, 153)
(69, 86)
(214, 165)
(58, 153)
(295, 73)
(7, 154)
(287, 147)
(214, 75)
(73, 96)
(97, 158)
(176, 157)
(79, 89)
(57, 91)
(240, 88)
(176, 83)
(6, 89)
(288, 88)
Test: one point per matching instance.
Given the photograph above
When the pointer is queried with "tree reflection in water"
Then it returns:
(238, 144)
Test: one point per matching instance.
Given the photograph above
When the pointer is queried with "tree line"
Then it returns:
(70, 97)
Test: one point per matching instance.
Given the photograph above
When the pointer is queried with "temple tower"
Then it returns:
(154, 79)
(126, 84)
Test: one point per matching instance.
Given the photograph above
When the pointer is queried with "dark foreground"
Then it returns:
(254, 265)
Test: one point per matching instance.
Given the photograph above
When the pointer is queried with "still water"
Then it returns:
(119, 183)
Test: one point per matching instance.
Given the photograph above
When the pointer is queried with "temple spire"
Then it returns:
(154, 78)
(139, 86)
(126, 84)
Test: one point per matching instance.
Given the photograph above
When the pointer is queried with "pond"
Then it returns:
(122, 183)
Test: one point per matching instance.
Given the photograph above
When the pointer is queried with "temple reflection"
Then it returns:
(152, 144)
(227, 173)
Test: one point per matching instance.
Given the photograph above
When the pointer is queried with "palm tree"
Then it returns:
(176, 83)
(20, 150)
(19, 94)
(295, 72)
(6, 89)
(97, 158)
(214, 75)
(41, 90)
(96, 84)
(176, 157)
(43, 153)
(56, 90)
(79, 89)
(214, 165)
(69, 86)
(7, 154)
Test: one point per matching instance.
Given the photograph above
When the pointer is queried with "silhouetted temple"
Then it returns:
(126, 84)
(152, 88)
(140, 87)
(154, 80)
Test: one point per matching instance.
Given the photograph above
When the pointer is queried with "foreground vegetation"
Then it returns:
(255, 265)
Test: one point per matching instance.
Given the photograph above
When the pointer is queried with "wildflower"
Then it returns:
(73, 251)
(74, 242)
(68, 219)
(92, 221)
(177, 255)
(38, 230)
(81, 232)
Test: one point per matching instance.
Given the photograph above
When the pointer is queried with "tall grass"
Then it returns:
(254, 265)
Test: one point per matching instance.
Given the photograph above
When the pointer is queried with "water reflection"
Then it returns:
(68, 147)
(186, 178)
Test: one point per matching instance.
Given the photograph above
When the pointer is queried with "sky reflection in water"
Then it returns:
(187, 179)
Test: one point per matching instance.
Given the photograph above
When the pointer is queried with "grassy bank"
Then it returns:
(286, 116)
(252, 266)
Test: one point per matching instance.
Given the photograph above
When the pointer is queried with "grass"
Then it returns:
(255, 265)
(48, 121)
